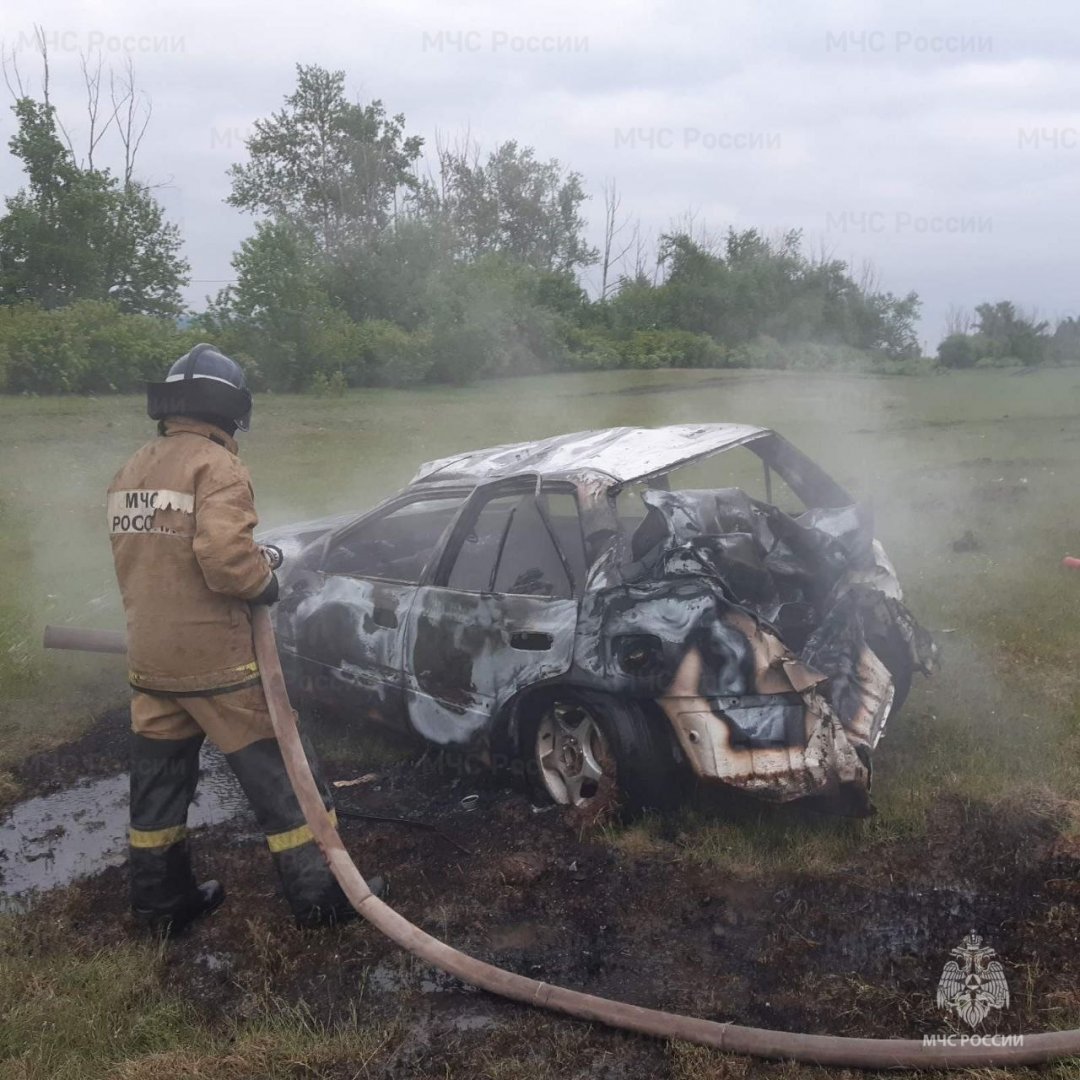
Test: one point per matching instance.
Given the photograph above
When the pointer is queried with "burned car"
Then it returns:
(614, 611)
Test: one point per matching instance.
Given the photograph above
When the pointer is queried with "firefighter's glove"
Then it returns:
(269, 595)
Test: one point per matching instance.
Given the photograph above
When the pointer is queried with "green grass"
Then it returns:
(938, 455)
(69, 1012)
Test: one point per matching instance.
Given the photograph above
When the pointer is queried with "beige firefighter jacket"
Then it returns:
(181, 517)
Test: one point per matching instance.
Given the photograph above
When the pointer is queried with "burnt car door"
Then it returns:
(350, 627)
(500, 611)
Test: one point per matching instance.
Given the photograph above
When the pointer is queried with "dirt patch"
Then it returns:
(855, 952)
(101, 751)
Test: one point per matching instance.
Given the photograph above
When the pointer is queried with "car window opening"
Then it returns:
(740, 468)
(396, 546)
(511, 550)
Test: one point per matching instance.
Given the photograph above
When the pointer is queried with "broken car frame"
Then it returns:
(556, 603)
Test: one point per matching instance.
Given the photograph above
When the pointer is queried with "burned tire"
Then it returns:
(602, 755)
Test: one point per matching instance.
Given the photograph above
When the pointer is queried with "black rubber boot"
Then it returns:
(164, 773)
(310, 889)
(316, 918)
(203, 900)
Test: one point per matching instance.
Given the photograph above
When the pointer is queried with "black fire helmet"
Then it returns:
(202, 383)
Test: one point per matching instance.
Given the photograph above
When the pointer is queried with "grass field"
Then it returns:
(938, 456)
(988, 454)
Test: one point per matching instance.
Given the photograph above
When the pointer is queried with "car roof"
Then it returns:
(623, 454)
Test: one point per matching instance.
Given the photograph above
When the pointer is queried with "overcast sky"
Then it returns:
(941, 145)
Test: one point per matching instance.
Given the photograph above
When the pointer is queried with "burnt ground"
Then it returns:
(856, 952)
(100, 751)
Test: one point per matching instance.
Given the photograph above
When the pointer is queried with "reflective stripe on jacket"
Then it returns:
(181, 515)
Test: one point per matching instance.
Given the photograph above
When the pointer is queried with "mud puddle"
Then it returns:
(52, 840)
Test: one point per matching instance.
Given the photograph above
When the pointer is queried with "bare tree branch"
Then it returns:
(869, 280)
(131, 127)
(92, 81)
(614, 227)
(18, 91)
(958, 320)
(43, 48)
(130, 113)
(642, 245)
(823, 253)
(129, 166)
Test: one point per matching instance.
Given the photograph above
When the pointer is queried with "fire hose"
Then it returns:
(945, 1052)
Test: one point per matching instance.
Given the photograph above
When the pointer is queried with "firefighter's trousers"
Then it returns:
(167, 734)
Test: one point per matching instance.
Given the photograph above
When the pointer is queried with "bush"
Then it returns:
(86, 347)
(487, 318)
(461, 352)
(767, 352)
(592, 350)
(39, 356)
(321, 347)
(393, 356)
(958, 351)
(331, 346)
(636, 305)
(333, 385)
(672, 349)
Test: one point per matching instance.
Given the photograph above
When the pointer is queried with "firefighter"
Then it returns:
(181, 519)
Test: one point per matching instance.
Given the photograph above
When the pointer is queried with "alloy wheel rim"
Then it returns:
(573, 755)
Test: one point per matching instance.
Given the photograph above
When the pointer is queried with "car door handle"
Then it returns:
(531, 640)
(385, 617)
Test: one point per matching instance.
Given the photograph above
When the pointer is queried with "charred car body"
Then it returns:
(627, 607)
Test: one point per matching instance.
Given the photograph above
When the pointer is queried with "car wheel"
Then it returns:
(602, 756)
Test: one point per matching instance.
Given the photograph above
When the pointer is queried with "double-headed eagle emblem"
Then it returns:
(973, 983)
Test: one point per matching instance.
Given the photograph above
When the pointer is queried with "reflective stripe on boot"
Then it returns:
(286, 841)
(164, 773)
(306, 880)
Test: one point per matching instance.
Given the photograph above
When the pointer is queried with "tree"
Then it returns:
(748, 285)
(330, 176)
(76, 233)
(511, 205)
(391, 276)
(327, 165)
(1009, 333)
(275, 306)
(1065, 344)
(482, 263)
